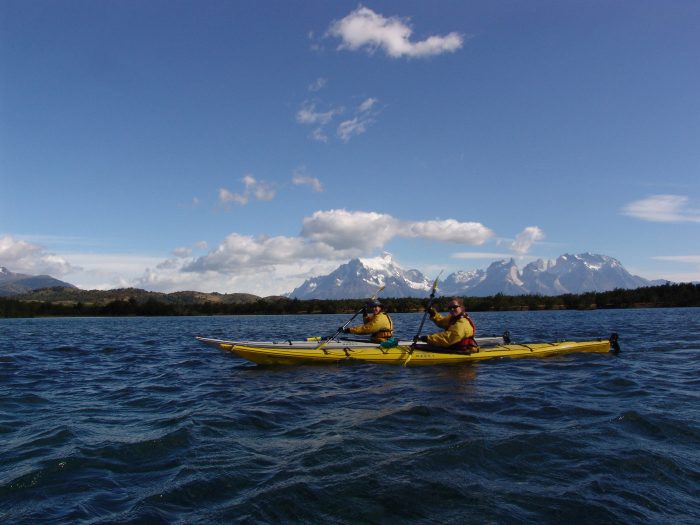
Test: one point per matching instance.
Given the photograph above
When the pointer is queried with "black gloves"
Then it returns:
(343, 329)
(432, 312)
(423, 338)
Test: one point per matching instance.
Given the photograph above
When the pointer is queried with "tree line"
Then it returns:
(667, 295)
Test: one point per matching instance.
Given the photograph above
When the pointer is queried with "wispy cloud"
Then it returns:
(348, 128)
(525, 239)
(309, 115)
(193, 203)
(366, 29)
(318, 84)
(259, 190)
(663, 208)
(363, 116)
(367, 105)
(186, 251)
(300, 178)
(691, 262)
(690, 259)
(319, 135)
(226, 196)
(480, 255)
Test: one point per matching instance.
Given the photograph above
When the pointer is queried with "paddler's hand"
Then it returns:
(343, 329)
(432, 312)
(423, 338)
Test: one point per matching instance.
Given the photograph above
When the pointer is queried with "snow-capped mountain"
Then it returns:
(578, 274)
(18, 283)
(500, 277)
(581, 273)
(361, 278)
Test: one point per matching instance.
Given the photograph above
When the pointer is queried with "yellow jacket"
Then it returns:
(455, 332)
(379, 325)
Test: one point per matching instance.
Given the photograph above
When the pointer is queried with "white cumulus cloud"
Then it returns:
(330, 235)
(238, 252)
(20, 256)
(450, 230)
(365, 29)
(343, 230)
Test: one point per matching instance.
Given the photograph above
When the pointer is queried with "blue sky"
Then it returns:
(247, 146)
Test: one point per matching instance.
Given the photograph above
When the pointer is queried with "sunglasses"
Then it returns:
(453, 307)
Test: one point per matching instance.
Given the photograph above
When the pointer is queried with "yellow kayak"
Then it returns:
(304, 352)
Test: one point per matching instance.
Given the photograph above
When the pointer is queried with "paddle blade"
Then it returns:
(378, 292)
(435, 284)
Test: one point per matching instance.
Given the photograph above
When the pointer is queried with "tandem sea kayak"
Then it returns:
(405, 353)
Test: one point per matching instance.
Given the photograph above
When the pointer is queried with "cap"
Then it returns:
(372, 304)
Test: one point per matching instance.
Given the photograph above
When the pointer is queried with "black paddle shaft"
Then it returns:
(427, 310)
(345, 325)
(373, 298)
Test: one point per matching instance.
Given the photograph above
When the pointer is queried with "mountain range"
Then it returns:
(567, 274)
(18, 283)
(361, 278)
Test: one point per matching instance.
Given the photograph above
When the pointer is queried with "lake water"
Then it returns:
(130, 420)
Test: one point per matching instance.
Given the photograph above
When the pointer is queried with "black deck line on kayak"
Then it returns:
(440, 350)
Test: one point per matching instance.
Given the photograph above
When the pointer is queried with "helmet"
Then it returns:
(373, 303)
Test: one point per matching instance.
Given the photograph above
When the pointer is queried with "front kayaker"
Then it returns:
(459, 329)
(376, 322)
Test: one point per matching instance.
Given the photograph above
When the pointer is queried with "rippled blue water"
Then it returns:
(130, 420)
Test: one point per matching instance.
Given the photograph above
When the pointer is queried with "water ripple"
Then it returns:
(130, 420)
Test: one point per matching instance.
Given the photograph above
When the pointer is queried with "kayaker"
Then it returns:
(459, 329)
(375, 322)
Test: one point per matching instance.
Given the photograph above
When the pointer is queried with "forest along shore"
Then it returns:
(65, 302)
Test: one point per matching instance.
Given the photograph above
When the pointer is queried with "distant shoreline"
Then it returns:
(133, 302)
